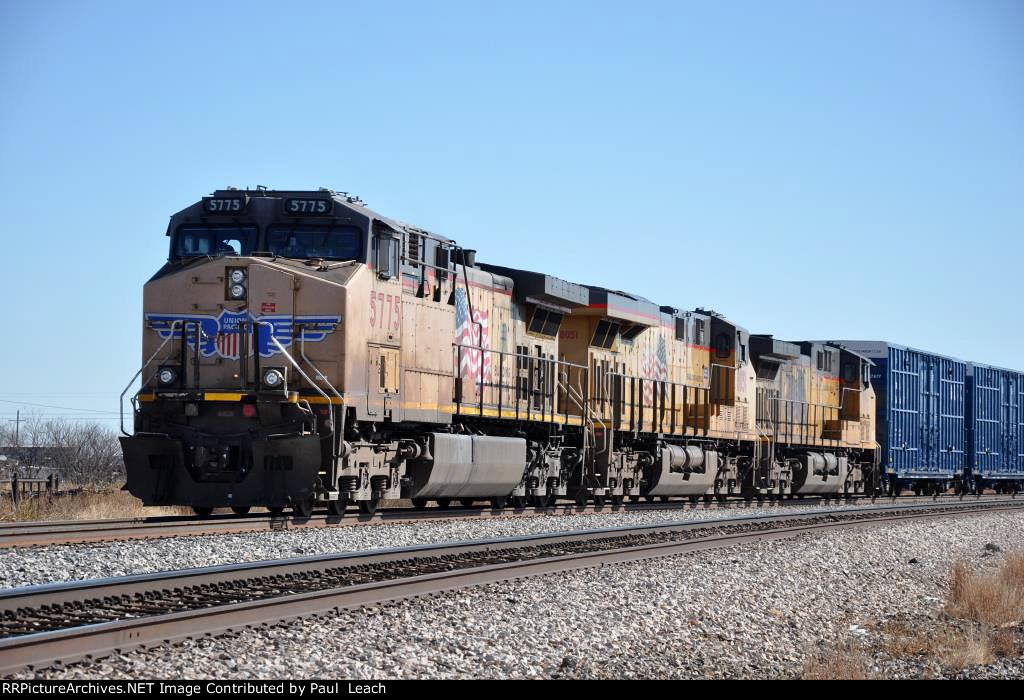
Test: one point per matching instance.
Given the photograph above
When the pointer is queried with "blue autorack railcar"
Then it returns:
(921, 416)
(995, 428)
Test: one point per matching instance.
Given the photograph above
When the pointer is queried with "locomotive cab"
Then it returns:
(242, 398)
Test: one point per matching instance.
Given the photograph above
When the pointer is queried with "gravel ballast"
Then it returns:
(68, 562)
(753, 610)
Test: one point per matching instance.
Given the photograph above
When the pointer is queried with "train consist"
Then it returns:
(301, 349)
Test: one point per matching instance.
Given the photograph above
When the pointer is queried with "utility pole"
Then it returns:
(17, 428)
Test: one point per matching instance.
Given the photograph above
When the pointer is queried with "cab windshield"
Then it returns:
(214, 240)
(325, 242)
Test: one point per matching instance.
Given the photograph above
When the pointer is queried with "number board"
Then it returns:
(298, 206)
(225, 205)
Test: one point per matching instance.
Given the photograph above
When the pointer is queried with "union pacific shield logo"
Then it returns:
(222, 335)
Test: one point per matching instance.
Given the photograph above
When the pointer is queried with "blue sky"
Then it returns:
(796, 165)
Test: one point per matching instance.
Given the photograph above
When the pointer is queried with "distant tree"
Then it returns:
(84, 453)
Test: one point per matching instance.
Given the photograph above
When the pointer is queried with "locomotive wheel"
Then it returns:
(444, 502)
(338, 507)
(419, 503)
(303, 508)
(519, 502)
(275, 510)
(369, 507)
(498, 502)
(240, 510)
(202, 511)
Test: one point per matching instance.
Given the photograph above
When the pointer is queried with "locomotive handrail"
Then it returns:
(340, 433)
(458, 348)
(697, 389)
(515, 354)
(806, 423)
(145, 364)
(281, 349)
(585, 412)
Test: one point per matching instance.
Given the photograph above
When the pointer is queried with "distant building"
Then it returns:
(26, 461)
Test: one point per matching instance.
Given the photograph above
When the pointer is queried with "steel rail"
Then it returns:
(55, 532)
(96, 640)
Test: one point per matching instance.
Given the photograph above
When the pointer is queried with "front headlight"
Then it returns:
(273, 378)
(167, 376)
(237, 275)
(237, 291)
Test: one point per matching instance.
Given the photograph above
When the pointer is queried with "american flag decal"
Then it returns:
(227, 344)
(473, 364)
(654, 366)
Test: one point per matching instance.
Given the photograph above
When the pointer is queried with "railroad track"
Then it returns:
(41, 533)
(40, 625)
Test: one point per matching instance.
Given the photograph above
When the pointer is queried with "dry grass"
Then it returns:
(899, 639)
(956, 648)
(984, 617)
(87, 505)
(986, 608)
(995, 598)
(963, 649)
(848, 663)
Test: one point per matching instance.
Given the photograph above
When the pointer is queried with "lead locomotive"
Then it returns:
(302, 349)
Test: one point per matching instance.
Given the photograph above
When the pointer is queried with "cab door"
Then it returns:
(384, 370)
(384, 365)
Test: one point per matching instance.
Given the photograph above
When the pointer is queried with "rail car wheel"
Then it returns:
(598, 499)
(303, 508)
(369, 507)
(649, 499)
(617, 499)
(634, 499)
(337, 507)
(240, 510)
(467, 502)
(543, 501)
(202, 511)
(275, 510)
(519, 502)
(419, 503)
(581, 498)
(444, 502)
(498, 502)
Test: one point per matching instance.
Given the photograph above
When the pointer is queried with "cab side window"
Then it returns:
(387, 256)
